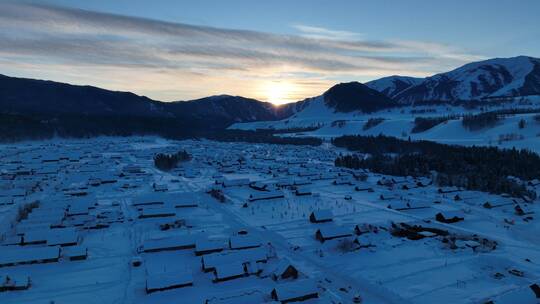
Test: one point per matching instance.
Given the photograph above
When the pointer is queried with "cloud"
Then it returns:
(324, 33)
(191, 61)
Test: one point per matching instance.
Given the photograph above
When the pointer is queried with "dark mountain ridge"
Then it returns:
(354, 96)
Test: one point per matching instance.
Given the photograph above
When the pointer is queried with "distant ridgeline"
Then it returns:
(475, 168)
(38, 109)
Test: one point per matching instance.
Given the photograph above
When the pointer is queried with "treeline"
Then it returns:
(480, 121)
(166, 162)
(14, 127)
(490, 119)
(475, 168)
(294, 130)
(469, 104)
(422, 124)
(372, 122)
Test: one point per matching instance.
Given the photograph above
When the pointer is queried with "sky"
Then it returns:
(276, 51)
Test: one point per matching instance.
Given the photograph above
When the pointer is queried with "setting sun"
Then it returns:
(278, 92)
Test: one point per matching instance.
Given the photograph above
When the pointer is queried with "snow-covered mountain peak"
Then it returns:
(493, 78)
(393, 85)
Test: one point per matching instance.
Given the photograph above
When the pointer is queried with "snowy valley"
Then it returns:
(249, 223)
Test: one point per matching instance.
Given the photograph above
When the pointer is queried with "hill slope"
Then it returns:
(354, 96)
(39, 97)
(393, 85)
(488, 79)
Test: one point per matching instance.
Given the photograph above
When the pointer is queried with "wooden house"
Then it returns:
(244, 242)
(295, 291)
(207, 246)
(18, 256)
(302, 191)
(75, 253)
(229, 271)
(321, 216)
(331, 232)
(210, 261)
(235, 182)
(259, 196)
(169, 243)
(168, 280)
(283, 270)
(157, 212)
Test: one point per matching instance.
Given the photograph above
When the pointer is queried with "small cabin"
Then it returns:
(229, 271)
(344, 180)
(19, 256)
(326, 233)
(185, 203)
(169, 243)
(259, 196)
(156, 212)
(453, 189)
(168, 280)
(148, 200)
(295, 291)
(284, 270)
(210, 261)
(244, 242)
(302, 191)
(321, 216)
(206, 246)
(522, 210)
(235, 182)
(75, 253)
(407, 205)
(365, 228)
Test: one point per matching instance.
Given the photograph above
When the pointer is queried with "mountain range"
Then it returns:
(51, 102)
(39, 97)
(483, 80)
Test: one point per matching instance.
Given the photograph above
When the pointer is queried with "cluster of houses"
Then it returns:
(243, 254)
(178, 242)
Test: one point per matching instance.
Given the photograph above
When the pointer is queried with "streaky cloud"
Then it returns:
(52, 37)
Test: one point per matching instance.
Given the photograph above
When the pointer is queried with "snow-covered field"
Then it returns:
(399, 122)
(107, 235)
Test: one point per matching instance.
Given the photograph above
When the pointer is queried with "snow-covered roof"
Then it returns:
(172, 242)
(17, 255)
(296, 289)
(166, 280)
(208, 245)
(233, 269)
(247, 255)
(323, 215)
(266, 195)
(244, 241)
(330, 231)
(156, 212)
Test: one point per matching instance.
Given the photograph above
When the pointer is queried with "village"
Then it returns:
(95, 221)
